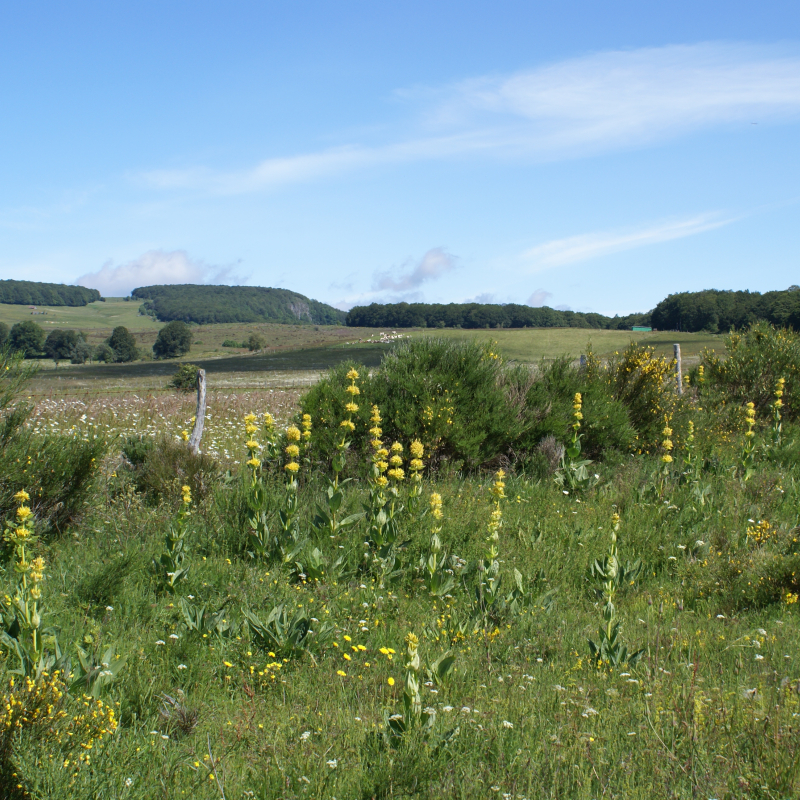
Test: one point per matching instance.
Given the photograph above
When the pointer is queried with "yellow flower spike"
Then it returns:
(185, 436)
(252, 445)
(23, 512)
(292, 467)
(353, 390)
(22, 496)
(293, 433)
(397, 474)
(254, 463)
(351, 408)
(293, 451)
(346, 423)
(397, 447)
(352, 375)
(416, 448)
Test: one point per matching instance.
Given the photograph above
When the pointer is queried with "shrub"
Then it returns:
(159, 467)
(755, 360)
(173, 340)
(547, 410)
(231, 343)
(256, 342)
(103, 353)
(644, 383)
(185, 379)
(57, 471)
(449, 395)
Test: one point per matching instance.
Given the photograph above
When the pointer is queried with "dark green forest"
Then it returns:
(209, 304)
(709, 311)
(32, 293)
(714, 311)
(481, 315)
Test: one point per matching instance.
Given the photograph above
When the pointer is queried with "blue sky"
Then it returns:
(575, 154)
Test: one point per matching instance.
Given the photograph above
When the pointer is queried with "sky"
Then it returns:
(580, 155)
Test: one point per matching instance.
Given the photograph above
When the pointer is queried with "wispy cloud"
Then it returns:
(600, 102)
(402, 283)
(435, 263)
(539, 298)
(573, 249)
(153, 267)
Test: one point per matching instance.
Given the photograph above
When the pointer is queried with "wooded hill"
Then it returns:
(209, 304)
(32, 293)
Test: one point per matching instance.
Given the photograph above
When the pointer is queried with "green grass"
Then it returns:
(532, 345)
(710, 711)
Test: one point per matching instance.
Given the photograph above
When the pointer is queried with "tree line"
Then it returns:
(710, 311)
(482, 315)
(211, 304)
(714, 311)
(28, 338)
(33, 293)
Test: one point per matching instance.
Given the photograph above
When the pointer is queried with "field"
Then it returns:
(328, 636)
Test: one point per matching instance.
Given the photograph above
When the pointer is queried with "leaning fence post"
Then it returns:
(200, 416)
(678, 373)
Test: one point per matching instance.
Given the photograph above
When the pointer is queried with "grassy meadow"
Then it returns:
(306, 611)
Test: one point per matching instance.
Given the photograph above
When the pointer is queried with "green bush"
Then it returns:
(325, 403)
(447, 394)
(750, 370)
(547, 409)
(185, 379)
(159, 467)
(56, 470)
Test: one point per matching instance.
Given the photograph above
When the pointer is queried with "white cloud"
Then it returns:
(539, 298)
(435, 263)
(153, 267)
(559, 252)
(623, 98)
(600, 102)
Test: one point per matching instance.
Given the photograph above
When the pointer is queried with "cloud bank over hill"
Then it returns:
(153, 267)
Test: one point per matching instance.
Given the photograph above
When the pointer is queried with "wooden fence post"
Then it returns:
(200, 416)
(678, 372)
